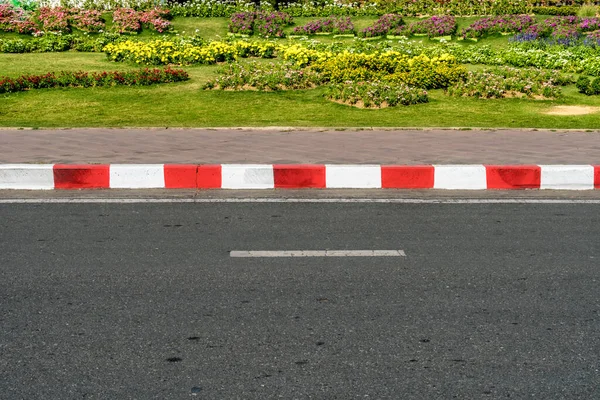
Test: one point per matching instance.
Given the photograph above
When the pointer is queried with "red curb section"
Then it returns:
(81, 176)
(299, 176)
(407, 177)
(181, 176)
(597, 176)
(208, 177)
(513, 177)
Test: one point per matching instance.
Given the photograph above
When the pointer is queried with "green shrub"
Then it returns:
(595, 86)
(587, 10)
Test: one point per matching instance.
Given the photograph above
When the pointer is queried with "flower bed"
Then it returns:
(376, 94)
(384, 25)
(63, 20)
(160, 52)
(142, 77)
(507, 82)
(432, 27)
(272, 77)
(262, 23)
(127, 20)
(336, 25)
(501, 24)
(420, 71)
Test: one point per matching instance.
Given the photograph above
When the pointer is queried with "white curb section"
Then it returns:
(567, 177)
(137, 176)
(27, 176)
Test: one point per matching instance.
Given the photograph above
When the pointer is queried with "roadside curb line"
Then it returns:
(297, 176)
(305, 128)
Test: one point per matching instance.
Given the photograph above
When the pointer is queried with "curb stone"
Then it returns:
(297, 176)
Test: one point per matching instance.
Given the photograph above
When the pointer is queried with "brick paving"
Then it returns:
(377, 146)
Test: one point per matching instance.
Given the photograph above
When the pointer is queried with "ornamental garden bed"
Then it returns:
(517, 71)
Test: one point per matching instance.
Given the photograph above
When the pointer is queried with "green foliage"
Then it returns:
(376, 94)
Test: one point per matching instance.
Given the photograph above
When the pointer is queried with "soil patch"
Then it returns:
(360, 104)
(572, 110)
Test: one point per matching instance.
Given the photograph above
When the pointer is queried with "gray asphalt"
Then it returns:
(142, 301)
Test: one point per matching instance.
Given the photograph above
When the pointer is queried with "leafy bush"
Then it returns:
(254, 76)
(376, 94)
(587, 86)
(142, 77)
(553, 10)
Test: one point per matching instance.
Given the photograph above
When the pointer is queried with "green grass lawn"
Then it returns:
(187, 105)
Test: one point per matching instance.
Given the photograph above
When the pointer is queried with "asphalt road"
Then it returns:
(120, 301)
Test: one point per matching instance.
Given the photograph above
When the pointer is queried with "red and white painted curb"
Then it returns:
(267, 176)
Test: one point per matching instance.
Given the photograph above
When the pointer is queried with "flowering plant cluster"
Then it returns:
(127, 20)
(160, 52)
(89, 21)
(271, 77)
(384, 25)
(496, 85)
(141, 77)
(333, 24)
(16, 19)
(55, 19)
(500, 24)
(46, 19)
(263, 23)
(561, 29)
(432, 27)
(376, 94)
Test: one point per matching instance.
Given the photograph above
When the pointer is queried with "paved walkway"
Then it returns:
(299, 146)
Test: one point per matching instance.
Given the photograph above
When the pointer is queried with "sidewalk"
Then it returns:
(277, 146)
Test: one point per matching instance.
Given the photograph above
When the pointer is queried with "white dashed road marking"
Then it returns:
(319, 253)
